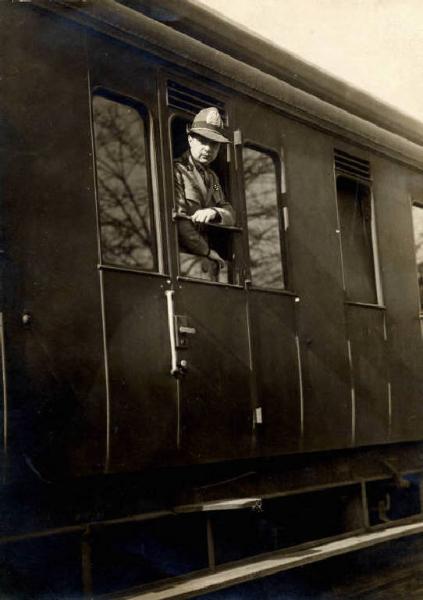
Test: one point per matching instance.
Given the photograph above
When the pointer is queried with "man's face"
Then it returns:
(202, 149)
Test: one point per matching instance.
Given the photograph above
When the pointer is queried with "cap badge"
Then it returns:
(213, 118)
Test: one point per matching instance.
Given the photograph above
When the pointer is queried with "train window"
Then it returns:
(194, 241)
(357, 239)
(261, 177)
(418, 241)
(123, 184)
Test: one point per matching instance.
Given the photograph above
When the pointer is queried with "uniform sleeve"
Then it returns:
(222, 206)
(189, 237)
(226, 212)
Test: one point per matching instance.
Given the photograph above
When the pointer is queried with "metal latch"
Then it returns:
(182, 329)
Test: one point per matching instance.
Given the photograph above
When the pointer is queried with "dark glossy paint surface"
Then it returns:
(143, 403)
(216, 411)
(57, 389)
(394, 187)
(143, 410)
(273, 326)
(244, 353)
(88, 370)
(317, 279)
(277, 371)
(369, 374)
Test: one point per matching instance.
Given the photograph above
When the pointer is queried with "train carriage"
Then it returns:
(140, 380)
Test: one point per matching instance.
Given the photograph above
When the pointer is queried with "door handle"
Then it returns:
(178, 330)
(175, 369)
(187, 330)
(182, 329)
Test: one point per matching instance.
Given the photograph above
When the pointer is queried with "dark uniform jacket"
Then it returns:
(196, 187)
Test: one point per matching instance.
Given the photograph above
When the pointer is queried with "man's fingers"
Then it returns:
(203, 215)
(200, 219)
(213, 255)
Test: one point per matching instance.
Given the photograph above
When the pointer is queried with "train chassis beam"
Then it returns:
(276, 563)
(338, 520)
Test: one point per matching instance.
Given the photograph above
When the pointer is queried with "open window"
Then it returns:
(418, 244)
(193, 262)
(357, 228)
(262, 175)
(357, 240)
(124, 192)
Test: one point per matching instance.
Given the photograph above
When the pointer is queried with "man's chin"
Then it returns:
(203, 161)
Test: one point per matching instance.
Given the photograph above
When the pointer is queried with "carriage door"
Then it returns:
(271, 300)
(207, 307)
(142, 409)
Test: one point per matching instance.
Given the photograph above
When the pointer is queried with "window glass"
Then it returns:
(355, 215)
(123, 187)
(264, 236)
(418, 240)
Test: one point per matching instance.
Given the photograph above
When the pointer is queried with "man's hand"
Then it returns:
(213, 255)
(204, 215)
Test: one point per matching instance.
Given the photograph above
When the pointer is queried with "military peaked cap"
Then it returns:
(208, 123)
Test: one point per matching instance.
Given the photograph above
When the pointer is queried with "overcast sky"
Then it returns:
(376, 45)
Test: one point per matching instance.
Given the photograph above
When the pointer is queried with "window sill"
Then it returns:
(183, 278)
(365, 305)
(279, 292)
(123, 269)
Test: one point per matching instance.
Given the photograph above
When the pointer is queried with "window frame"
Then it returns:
(280, 181)
(338, 173)
(232, 230)
(418, 204)
(145, 114)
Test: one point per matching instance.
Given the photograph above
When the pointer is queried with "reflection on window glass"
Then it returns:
(355, 215)
(122, 185)
(198, 267)
(260, 180)
(418, 240)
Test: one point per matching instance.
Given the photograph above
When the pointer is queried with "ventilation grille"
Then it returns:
(351, 165)
(191, 101)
